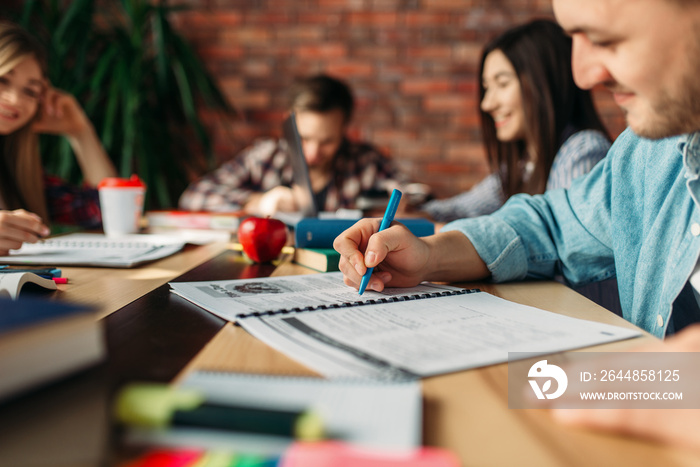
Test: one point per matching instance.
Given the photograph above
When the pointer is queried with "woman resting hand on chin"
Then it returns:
(29, 199)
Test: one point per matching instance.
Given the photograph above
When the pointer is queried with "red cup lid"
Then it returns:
(116, 182)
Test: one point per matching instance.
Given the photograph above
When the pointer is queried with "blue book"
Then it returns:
(320, 233)
(29, 311)
(45, 340)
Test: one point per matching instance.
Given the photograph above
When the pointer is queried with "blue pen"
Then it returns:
(386, 222)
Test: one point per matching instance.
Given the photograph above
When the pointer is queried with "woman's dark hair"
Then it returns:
(553, 105)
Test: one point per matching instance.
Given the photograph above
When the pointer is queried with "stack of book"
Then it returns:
(319, 259)
(195, 220)
(41, 341)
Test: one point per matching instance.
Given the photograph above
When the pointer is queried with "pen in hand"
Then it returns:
(386, 222)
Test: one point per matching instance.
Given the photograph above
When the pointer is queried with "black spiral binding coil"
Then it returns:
(403, 298)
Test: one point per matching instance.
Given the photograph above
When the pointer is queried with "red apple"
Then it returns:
(262, 238)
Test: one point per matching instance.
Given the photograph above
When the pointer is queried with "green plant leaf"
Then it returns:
(140, 82)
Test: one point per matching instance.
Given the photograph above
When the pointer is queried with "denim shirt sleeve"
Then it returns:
(561, 232)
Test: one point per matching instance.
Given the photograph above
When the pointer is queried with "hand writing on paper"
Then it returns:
(403, 260)
(399, 257)
(17, 227)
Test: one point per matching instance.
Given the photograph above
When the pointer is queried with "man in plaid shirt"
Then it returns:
(258, 180)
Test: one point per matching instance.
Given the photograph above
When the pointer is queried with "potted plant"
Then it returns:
(140, 82)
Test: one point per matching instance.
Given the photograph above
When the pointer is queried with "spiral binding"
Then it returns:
(290, 376)
(403, 298)
(95, 244)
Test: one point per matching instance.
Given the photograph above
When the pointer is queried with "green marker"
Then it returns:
(161, 406)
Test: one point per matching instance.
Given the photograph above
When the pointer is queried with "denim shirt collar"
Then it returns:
(689, 147)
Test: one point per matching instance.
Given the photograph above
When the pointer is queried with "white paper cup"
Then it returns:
(121, 203)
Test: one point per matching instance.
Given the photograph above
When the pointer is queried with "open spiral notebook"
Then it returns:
(96, 250)
(401, 333)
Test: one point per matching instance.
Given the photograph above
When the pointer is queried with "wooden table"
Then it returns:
(158, 336)
(109, 289)
(467, 412)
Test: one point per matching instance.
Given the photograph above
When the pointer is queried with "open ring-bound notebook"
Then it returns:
(96, 250)
(401, 333)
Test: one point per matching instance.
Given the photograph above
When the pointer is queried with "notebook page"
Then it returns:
(95, 250)
(425, 337)
(230, 299)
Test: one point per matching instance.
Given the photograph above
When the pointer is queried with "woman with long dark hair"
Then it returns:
(539, 129)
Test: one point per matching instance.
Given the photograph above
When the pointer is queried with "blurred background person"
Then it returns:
(30, 199)
(258, 180)
(539, 129)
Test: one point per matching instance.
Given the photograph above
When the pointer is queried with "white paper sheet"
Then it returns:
(424, 337)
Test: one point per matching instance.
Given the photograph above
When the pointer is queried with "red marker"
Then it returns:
(60, 280)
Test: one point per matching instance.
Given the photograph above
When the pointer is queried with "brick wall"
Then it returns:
(412, 65)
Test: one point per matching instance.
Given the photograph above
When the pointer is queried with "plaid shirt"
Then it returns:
(71, 205)
(359, 168)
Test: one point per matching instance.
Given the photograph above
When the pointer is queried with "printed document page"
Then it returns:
(230, 299)
(424, 337)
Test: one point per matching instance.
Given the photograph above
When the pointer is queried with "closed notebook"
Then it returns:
(371, 414)
(320, 233)
(41, 341)
(319, 259)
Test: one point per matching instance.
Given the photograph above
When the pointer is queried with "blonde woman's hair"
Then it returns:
(21, 173)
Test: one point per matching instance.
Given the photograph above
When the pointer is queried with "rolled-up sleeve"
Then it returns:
(561, 232)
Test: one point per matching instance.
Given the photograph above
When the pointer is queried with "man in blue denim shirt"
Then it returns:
(636, 215)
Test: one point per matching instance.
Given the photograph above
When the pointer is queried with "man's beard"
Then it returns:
(672, 115)
(680, 113)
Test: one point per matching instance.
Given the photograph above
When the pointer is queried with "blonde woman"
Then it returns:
(29, 199)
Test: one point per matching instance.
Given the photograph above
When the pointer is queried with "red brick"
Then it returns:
(342, 4)
(383, 5)
(425, 86)
(452, 5)
(268, 18)
(300, 34)
(468, 86)
(247, 35)
(394, 136)
(434, 52)
(384, 53)
(466, 119)
(321, 18)
(248, 99)
(468, 52)
(348, 68)
(327, 51)
(369, 18)
(448, 102)
(466, 152)
(232, 83)
(422, 19)
(257, 68)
